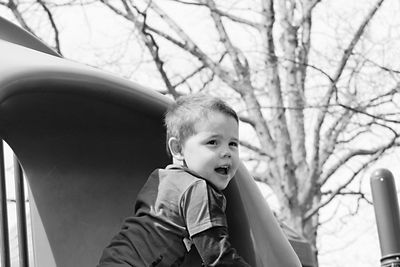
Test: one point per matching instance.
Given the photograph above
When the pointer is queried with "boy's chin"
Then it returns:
(222, 186)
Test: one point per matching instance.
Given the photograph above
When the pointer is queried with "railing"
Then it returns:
(386, 207)
(21, 215)
(4, 242)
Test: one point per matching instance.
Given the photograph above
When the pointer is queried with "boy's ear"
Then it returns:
(175, 148)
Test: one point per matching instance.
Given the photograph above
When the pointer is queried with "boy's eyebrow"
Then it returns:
(218, 135)
(234, 139)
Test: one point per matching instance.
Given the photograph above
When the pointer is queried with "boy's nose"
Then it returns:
(225, 153)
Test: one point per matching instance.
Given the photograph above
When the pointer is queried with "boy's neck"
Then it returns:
(177, 162)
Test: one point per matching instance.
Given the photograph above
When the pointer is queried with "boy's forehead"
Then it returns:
(215, 119)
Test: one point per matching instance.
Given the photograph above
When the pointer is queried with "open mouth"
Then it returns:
(222, 170)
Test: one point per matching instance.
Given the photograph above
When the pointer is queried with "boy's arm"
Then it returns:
(215, 250)
(203, 209)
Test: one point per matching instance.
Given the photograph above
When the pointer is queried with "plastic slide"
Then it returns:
(87, 141)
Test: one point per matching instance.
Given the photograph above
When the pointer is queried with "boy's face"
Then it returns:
(212, 152)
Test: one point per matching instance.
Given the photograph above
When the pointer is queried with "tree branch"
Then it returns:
(17, 14)
(311, 4)
(197, 71)
(384, 68)
(361, 195)
(255, 149)
(239, 62)
(332, 135)
(147, 38)
(310, 213)
(282, 143)
(321, 115)
(53, 25)
(189, 46)
(352, 153)
(361, 111)
(224, 14)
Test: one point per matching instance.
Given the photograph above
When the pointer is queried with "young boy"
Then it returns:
(183, 205)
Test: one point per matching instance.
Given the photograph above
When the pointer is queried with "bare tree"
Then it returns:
(276, 109)
(314, 120)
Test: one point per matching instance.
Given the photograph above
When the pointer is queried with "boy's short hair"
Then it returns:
(187, 110)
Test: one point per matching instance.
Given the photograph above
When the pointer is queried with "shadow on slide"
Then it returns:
(87, 141)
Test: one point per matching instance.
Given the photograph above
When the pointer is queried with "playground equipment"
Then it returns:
(86, 141)
(387, 216)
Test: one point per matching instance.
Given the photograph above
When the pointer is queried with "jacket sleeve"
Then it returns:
(215, 250)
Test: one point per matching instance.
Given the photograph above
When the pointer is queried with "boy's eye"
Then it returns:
(234, 144)
(212, 142)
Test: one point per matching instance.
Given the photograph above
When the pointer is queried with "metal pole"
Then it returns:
(387, 216)
(4, 238)
(21, 215)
